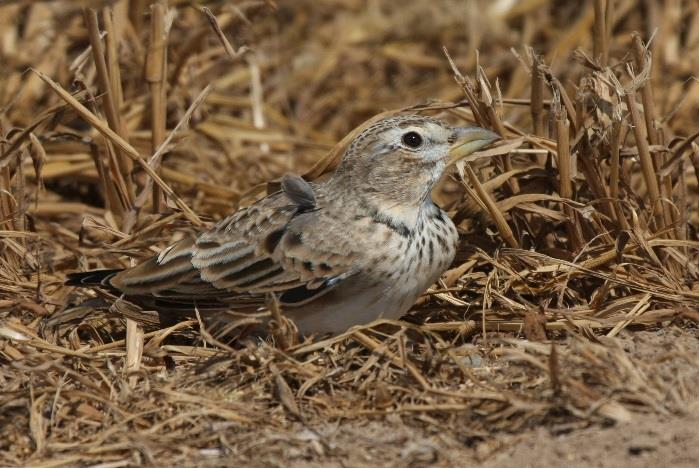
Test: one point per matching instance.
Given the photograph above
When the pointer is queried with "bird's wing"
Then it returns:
(268, 247)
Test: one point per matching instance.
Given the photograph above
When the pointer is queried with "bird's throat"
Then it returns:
(401, 218)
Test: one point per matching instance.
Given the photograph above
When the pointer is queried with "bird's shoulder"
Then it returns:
(286, 243)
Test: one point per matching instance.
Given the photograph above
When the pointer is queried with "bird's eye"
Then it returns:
(412, 140)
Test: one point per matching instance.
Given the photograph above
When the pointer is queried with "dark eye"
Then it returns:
(412, 140)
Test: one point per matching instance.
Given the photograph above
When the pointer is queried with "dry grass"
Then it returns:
(582, 226)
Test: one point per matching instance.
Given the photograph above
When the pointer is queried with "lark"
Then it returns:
(362, 245)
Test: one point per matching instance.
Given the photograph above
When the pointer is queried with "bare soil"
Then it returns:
(645, 440)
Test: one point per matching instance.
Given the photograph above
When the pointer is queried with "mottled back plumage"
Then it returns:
(364, 244)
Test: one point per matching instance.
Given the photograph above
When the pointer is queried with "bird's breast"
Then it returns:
(433, 247)
(398, 266)
(412, 263)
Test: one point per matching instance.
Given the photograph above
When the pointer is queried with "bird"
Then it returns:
(363, 244)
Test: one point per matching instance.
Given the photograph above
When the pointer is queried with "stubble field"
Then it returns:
(564, 333)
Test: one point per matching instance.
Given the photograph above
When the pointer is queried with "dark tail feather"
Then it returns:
(91, 278)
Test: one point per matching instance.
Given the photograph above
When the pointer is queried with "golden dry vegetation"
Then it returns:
(574, 299)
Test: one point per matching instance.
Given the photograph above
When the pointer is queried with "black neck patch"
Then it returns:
(400, 228)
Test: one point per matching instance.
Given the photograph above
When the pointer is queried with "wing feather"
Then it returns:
(271, 246)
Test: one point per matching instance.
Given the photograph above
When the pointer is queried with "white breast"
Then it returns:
(407, 266)
(428, 255)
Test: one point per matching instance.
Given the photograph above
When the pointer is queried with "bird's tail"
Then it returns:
(91, 278)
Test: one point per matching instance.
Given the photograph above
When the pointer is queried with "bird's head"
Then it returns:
(398, 160)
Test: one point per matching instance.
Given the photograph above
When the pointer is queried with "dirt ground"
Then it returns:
(649, 440)
(644, 440)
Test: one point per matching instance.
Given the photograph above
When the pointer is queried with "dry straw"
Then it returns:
(140, 123)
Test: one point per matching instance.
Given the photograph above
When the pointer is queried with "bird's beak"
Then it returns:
(469, 140)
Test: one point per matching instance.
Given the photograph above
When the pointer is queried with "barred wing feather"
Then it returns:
(260, 249)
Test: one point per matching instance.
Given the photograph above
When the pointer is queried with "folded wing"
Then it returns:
(261, 249)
